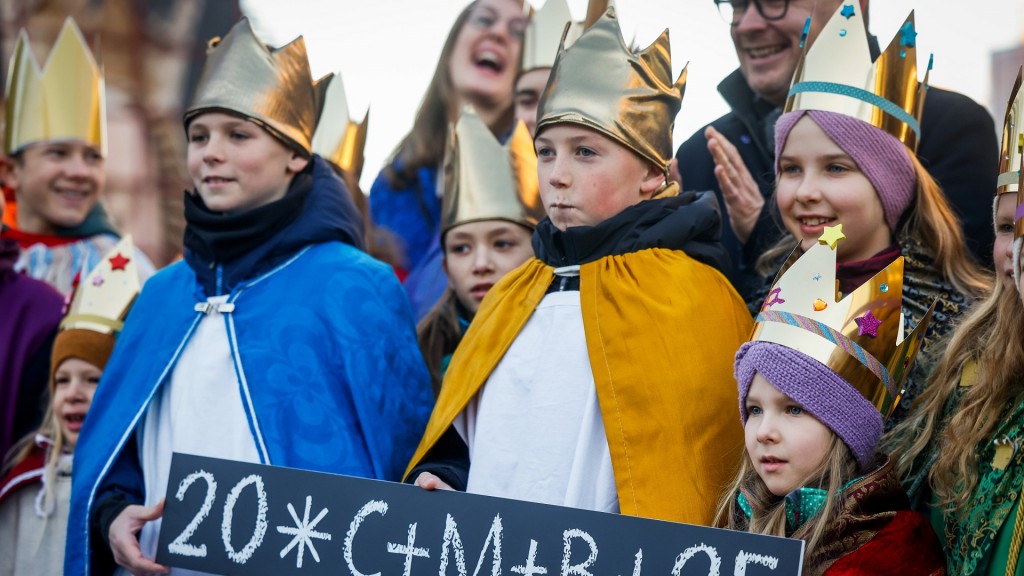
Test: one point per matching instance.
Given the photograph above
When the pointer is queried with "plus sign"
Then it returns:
(409, 550)
(530, 569)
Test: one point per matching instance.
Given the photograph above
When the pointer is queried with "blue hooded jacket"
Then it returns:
(324, 349)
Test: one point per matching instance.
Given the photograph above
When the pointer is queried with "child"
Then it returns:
(568, 388)
(842, 161)
(958, 448)
(55, 136)
(491, 207)
(35, 494)
(275, 341)
(815, 383)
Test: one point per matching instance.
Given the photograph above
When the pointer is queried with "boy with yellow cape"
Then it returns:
(597, 374)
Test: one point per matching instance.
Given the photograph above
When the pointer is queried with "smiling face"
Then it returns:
(75, 383)
(56, 184)
(586, 178)
(768, 50)
(529, 89)
(820, 185)
(1002, 250)
(785, 444)
(485, 57)
(478, 254)
(236, 165)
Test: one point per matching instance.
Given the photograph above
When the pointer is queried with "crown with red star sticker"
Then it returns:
(860, 336)
(101, 299)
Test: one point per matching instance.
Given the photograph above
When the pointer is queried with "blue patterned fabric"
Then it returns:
(412, 213)
(325, 348)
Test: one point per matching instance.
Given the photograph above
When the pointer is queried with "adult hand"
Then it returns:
(124, 541)
(742, 196)
(428, 481)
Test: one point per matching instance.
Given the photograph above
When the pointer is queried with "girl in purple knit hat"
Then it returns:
(816, 382)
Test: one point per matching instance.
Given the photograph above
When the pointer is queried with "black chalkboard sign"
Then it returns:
(230, 517)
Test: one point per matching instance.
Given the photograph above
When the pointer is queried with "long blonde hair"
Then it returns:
(991, 336)
(930, 219)
(837, 469)
(50, 429)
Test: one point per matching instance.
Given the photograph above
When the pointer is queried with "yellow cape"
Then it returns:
(662, 330)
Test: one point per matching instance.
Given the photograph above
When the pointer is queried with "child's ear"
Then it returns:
(653, 180)
(297, 163)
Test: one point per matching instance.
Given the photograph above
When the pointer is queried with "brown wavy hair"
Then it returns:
(929, 218)
(991, 336)
(769, 517)
(439, 334)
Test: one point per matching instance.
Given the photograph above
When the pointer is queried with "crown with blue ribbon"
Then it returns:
(859, 337)
(836, 74)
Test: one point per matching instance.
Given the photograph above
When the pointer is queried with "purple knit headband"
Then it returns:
(822, 392)
(882, 158)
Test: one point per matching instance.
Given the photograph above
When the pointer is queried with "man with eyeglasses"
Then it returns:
(734, 155)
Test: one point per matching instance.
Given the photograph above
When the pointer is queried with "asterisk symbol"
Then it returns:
(303, 533)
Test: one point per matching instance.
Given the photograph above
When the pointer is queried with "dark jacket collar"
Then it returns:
(327, 214)
(689, 222)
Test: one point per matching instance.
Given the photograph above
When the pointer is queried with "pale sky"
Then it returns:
(386, 50)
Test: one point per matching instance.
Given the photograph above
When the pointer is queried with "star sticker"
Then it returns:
(908, 36)
(97, 281)
(867, 325)
(303, 533)
(847, 11)
(832, 235)
(816, 277)
(118, 261)
(772, 299)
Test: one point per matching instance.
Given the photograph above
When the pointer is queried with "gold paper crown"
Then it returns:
(485, 180)
(836, 74)
(102, 299)
(274, 88)
(860, 338)
(63, 100)
(337, 137)
(547, 25)
(1012, 146)
(629, 97)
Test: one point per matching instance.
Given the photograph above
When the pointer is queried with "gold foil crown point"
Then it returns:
(337, 137)
(273, 88)
(860, 337)
(63, 100)
(485, 180)
(1011, 148)
(102, 299)
(836, 74)
(630, 97)
(548, 26)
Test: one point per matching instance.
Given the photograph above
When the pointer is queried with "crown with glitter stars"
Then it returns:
(337, 137)
(101, 300)
(836, 74)
(859, 337)
(1011, 148)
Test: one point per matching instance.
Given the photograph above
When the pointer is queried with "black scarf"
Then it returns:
(220, 237)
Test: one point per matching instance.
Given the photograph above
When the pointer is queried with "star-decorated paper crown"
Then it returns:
(485, 180)
(102, 299)
(1011, 147)
(630, 97)
(273, 88)
(337, 137)
(63, 100)
(548, 25)
(836, 74)
(860, 337)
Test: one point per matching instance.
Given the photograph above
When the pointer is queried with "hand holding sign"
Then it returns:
(124, 539)
(277, 521)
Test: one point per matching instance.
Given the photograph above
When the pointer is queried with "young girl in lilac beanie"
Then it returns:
(845, 157)
(815, 383)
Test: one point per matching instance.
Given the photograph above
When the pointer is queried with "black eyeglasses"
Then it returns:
(732, 11)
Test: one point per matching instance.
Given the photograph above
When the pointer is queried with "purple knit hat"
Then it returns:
(882, 158)
(822, 392)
